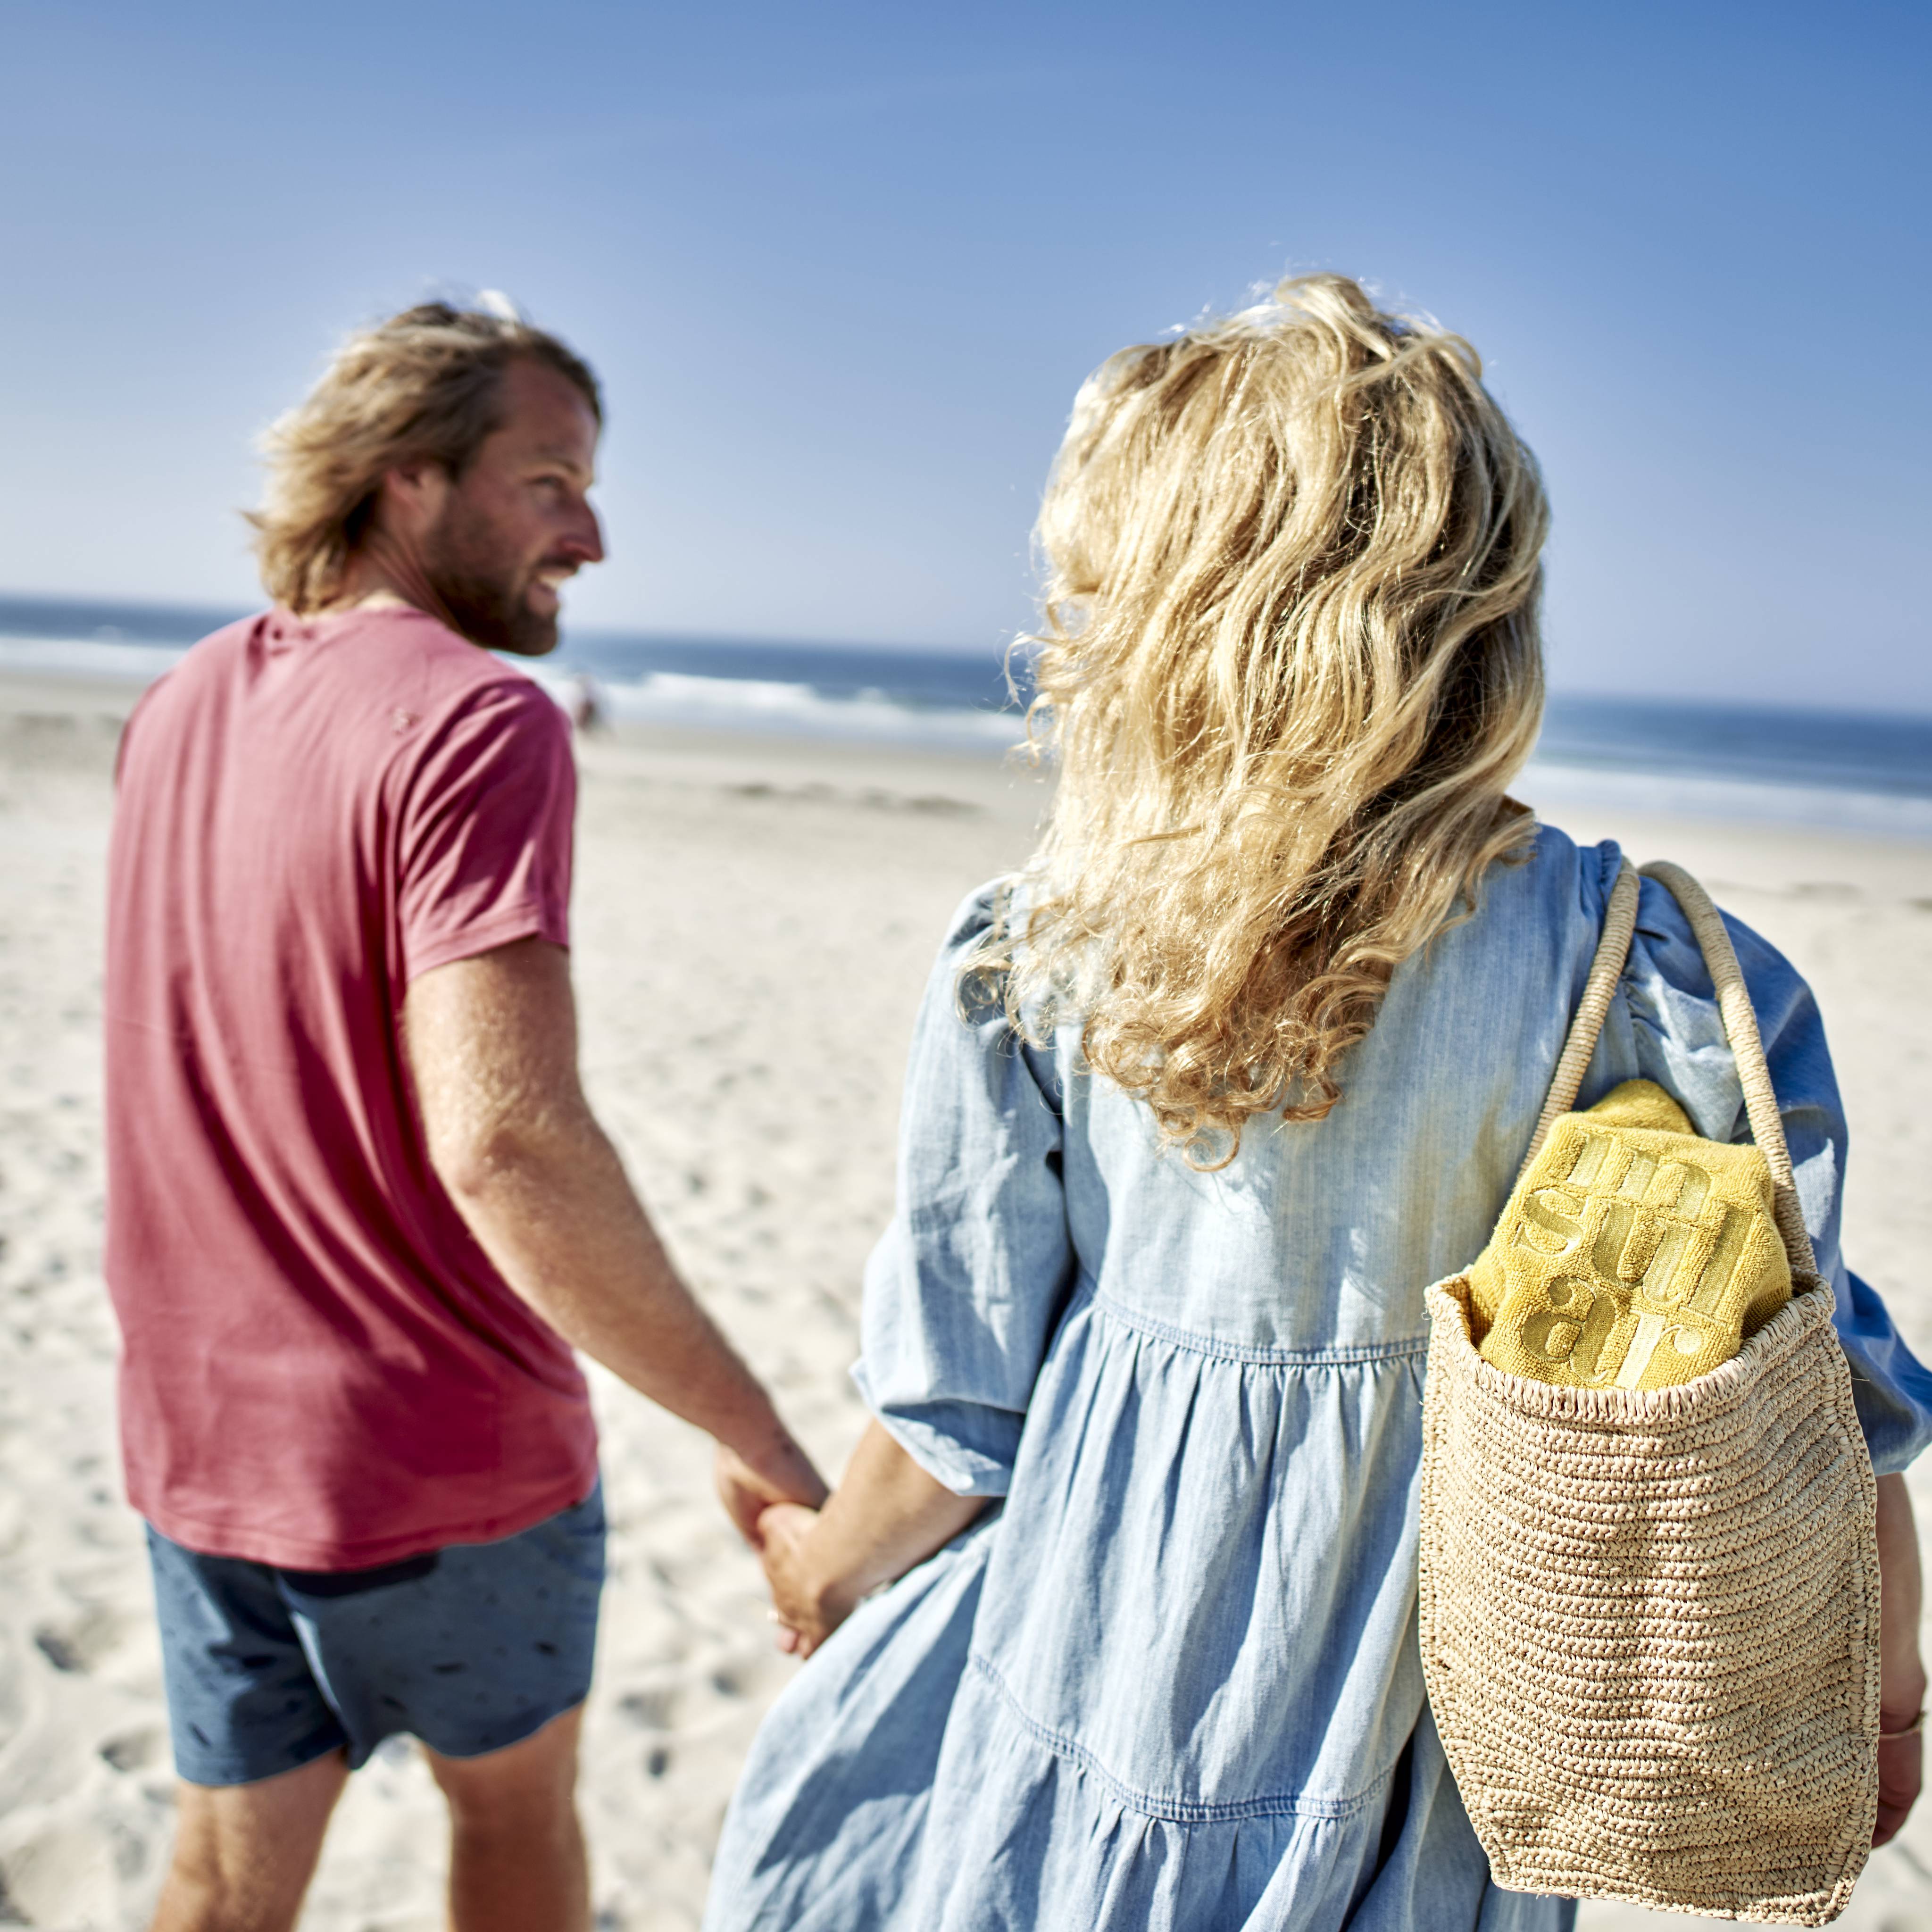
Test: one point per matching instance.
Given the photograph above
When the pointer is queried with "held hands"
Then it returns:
(775, 1509)
(806, 1608)
(888, 1515)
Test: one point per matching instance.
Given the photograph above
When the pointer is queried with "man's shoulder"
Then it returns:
(203, 666)
(210, 654)
(456, 717)
(427, 669)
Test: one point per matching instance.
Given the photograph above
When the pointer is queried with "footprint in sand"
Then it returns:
(80, 1644)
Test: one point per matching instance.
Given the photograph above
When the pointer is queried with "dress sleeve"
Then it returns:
(1665, 1026)
(484, 820)
(963, 1292)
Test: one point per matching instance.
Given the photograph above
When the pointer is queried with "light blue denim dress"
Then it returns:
(1173, 1683)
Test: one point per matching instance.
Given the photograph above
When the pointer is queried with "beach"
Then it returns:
(754, 920)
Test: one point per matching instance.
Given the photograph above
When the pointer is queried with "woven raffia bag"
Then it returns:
(1650, 1617)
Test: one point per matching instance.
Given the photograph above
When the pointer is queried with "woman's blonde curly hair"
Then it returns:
(1289, 662)
(424, 386)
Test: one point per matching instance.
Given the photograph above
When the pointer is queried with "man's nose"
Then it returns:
(585, 542)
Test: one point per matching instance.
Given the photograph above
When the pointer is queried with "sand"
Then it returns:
(755, 919)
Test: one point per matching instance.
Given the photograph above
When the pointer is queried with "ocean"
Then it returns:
(1846, 770)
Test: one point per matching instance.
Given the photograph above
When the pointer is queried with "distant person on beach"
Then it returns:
(585, 703)
(359, 1212)
(1199, 1104)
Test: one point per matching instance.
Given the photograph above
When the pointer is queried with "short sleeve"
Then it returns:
(1665, 1026)
(963, 1293)
(485, 818)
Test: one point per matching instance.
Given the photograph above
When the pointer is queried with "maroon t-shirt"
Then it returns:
(321, 1369)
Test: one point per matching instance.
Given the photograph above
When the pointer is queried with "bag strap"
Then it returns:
(1734, 1003)
(1740, 1031)
(1605, 970)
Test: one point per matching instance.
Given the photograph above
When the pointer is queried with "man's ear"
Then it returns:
(412, 495)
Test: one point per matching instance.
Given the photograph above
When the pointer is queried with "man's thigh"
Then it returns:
(244, 1853)
(517, 1861)
(536, 1779)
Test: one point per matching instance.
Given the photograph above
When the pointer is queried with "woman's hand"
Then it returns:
(809, 1608)
(1901, 1675)
(1901, 1766)
(886, 1515)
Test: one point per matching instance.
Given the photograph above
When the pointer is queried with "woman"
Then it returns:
(1198, 1106)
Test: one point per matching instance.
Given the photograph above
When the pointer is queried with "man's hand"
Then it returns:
(492, 1044)
(747, 1493)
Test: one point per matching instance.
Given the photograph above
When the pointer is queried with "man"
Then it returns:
(359, 1211)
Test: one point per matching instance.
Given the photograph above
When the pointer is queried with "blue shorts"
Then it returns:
(469, 1648)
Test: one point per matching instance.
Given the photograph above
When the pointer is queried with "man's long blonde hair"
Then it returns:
(1289, 662)
(424, 386)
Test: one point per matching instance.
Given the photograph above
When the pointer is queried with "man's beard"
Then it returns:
(484, 601)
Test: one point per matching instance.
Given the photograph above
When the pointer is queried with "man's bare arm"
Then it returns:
(492, 1046)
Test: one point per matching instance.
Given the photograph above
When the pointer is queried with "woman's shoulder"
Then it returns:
(1560, 873)
(1667, 1023)
(1533, 919)
(1552, 874)
(986, 934)
(983, 908)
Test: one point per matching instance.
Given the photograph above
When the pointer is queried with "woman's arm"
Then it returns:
(886, 1515)
(1901, 1675)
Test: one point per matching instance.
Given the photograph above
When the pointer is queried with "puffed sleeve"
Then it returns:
(963, 1292)
(1665, 1026)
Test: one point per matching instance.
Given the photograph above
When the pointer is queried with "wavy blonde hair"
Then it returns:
(1289, 662)
(424, 386)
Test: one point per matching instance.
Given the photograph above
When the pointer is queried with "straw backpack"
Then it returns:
(1650, 1616)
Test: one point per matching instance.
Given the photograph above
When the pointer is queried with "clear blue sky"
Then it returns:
(843, 266)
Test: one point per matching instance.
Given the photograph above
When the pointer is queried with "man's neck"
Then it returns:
(383, 575)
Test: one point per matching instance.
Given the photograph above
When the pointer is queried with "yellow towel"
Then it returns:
(1633, 1254)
